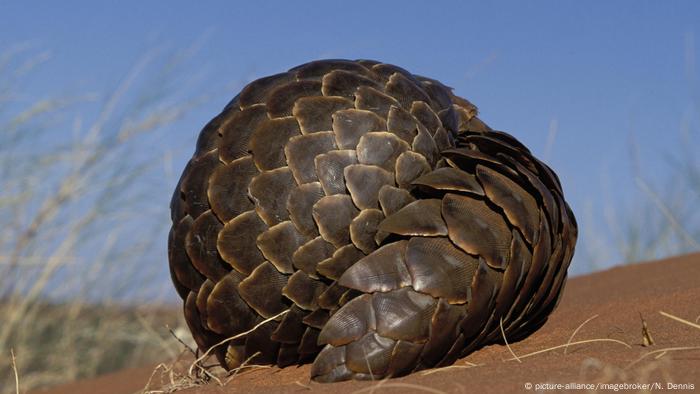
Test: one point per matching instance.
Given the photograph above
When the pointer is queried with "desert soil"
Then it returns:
(611, 300)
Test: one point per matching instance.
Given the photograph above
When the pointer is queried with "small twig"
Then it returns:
(180, 340)
(233, 373)
(212, 376)
(647, 340)
(572, 343)
(436, 370)
(379, 385)
(153, 374)
(412, 387)
(676, 318)
(506, 341)
(14, 369)
(206, 354)
(576, 331)
(369, 367)
(662, 351)
(298, 383)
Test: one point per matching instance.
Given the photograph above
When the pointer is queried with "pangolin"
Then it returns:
(369, 219)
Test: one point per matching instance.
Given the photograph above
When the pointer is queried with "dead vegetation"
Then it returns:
(77, 236)
(182, 374)
(198, 373)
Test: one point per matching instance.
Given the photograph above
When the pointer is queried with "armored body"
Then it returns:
(385, 226)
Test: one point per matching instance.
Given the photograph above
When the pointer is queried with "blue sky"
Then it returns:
(604, 75)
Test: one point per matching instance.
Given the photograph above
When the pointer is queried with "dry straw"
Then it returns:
(69, 191)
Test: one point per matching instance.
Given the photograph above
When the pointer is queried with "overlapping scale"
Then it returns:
(300, 204)
(332, 367)
(345, 83)
(440, 269)
(302, 150)
(383, 270)
(477, 229)
(315, 113)
(180, 264)
(391, 224)
(483, 290)
(237, 130)
(195, 182)
(424, 144)
(318, 318)
(363, 229)
(309, 343)
(258, 348)
(225, 185)
(443, 139)
(330, 168)
(364, 181)
(200, 244)
(350, 323)
(270, 191)
(310, 254)
(444, 330)
(519, 206)
(404, 358)
(227, 313)
(334, 266)
(409, 166)
(317, 69)
(452, 179)
(405, 90)
(333, 215)
(374, 100)
(304, 290)
(421, 217)
(402, 123)
(370, 355)
(403, 314)
(380, 148)
(278, 243)
(236, 242)
(269, 139)
(351, 124)
(331, 298)
(262, 290)
(392, 199)
(259, 90)
(426, 116)
(282, 98)
(291, 328)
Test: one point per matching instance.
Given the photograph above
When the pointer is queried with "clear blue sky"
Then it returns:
(605, 73)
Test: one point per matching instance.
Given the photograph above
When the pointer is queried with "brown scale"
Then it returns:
(410, 166)
(373, 216)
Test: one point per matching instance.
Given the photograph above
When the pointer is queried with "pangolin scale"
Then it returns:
(385, 226)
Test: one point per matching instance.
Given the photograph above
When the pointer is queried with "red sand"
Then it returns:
(617, 296)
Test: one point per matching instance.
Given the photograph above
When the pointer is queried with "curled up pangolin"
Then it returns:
(395, 228)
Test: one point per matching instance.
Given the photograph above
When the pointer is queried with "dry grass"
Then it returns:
(566, 345)
(678, 319)
(198, 373)
(14, 370)
(660, 220)
(449, 368)
(503, 333)
(571, 338)
(79, 223)
(401, 388)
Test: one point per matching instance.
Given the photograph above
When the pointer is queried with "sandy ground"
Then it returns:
(613, 301)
